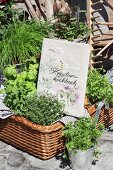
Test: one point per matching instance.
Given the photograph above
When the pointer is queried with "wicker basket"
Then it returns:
(43, 142)
(105, 117)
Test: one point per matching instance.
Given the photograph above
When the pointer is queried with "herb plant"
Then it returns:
(99, 87)
(21, 41)
(82, 134)
(69, 28)
(42, 109)
(18, 86)
(7, 16)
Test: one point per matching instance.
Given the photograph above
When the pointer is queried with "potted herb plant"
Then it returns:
(18, 85)
(43, 109)
(22, 40)
(81, 139)
(34, 127)
(99, 89)
(69, 28)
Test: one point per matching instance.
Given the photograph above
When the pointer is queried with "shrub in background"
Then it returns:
(69, 28)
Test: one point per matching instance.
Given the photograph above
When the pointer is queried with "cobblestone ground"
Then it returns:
(13, 159)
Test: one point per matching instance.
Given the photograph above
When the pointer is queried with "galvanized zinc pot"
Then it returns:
(82, 160)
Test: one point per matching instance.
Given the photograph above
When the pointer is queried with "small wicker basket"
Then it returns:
(43, 142)
(105, 116)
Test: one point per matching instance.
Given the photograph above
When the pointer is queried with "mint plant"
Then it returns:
(99, 88)
(82, 134)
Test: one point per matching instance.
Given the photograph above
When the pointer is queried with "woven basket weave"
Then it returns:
(105, 116)
(43, 142)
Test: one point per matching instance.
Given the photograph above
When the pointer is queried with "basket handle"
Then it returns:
(99, 108)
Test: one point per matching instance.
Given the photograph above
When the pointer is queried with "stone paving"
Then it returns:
(13, 159)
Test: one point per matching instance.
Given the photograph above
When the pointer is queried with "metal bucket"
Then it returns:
(82, 160)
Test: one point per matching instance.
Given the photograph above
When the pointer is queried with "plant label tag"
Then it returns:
(63, 72)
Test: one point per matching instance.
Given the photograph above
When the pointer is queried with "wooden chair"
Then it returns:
(100, 20)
